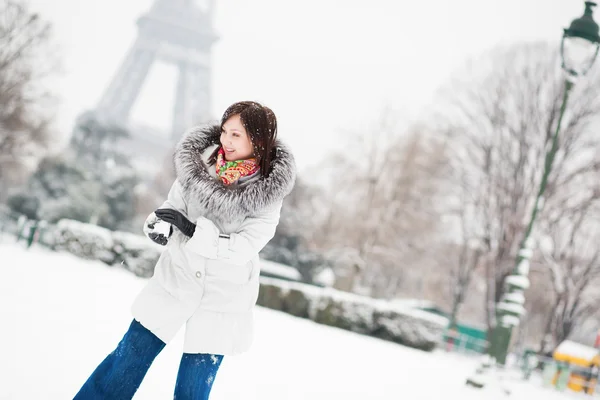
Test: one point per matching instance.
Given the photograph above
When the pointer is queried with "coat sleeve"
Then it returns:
(175, 199)
(239, 247)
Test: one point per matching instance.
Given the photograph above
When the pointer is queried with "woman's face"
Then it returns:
(235, 140)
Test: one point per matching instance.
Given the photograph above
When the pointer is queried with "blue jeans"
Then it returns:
(122, 371)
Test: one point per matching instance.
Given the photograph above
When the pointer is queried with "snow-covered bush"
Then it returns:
(84, 240)
(345, 310)
(396, 322)
(272, 296)
(410, 327)
(288, 250)
(378, 318)
(135, 252)
(295, 302)
(8, 220)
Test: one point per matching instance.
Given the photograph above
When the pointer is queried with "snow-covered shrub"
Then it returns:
(296, 303)
(395, 322)
(287, 250)
(136, 253)
(347, 312)
(8, 220)
(325, 277)
(83, 240)
(49, 236)
(24, 203)
(378, 318)
(271, 296)
(410, 327)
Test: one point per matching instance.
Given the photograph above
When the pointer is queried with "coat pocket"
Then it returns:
(221, 271)
(172, 277)
(228, 287)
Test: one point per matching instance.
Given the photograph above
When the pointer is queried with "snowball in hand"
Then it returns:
(162, 227)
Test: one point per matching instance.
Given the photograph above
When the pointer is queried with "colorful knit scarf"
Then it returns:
(232, 171)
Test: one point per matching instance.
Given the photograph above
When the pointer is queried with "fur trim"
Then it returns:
(235, 201)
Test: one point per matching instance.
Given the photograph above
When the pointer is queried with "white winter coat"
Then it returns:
(210, 282)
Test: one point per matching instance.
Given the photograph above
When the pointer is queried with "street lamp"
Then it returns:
(578, 50)
(580, 43)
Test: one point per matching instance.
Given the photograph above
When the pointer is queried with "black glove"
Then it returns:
(176, 218)
(158, 238)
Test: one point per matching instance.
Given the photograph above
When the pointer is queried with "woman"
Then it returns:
(222, 209)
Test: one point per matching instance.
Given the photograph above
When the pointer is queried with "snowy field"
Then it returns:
(61, 315)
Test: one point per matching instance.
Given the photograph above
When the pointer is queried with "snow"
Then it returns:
(286, 286)
(517, 309)
(61, 315)
(526, 253)
(515, 297)
(84, 230)
(162, 227)
(577, 350)
(523, 267)
(283, 271)
(413, 303)
(519, 281)
(85, 240)
(326, 277)
(420, 314)
(359, 302)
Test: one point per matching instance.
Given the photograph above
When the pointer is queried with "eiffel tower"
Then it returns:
(178, 32)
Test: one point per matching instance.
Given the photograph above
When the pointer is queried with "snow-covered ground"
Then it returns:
(60, 315)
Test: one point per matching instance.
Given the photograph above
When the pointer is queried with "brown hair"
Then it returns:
(261, 125)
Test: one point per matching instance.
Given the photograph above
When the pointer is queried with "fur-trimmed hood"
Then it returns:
(233, 202)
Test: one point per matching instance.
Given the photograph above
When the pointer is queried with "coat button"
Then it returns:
(198, 274)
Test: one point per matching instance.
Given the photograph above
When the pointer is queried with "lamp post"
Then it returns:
(579, 49)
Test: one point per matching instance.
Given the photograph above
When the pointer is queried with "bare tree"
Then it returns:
(500, 115)
(572, 257)
(383, 204)
(470, 255)
(409, 226)
(24, 119)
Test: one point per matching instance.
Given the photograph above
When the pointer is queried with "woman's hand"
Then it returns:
(176, 218)
(157, 230)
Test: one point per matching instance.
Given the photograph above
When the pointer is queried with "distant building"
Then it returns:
(178, 32)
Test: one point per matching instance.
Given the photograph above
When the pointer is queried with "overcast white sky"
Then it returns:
(322, 65)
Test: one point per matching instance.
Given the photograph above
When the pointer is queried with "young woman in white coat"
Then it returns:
(222, 209)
